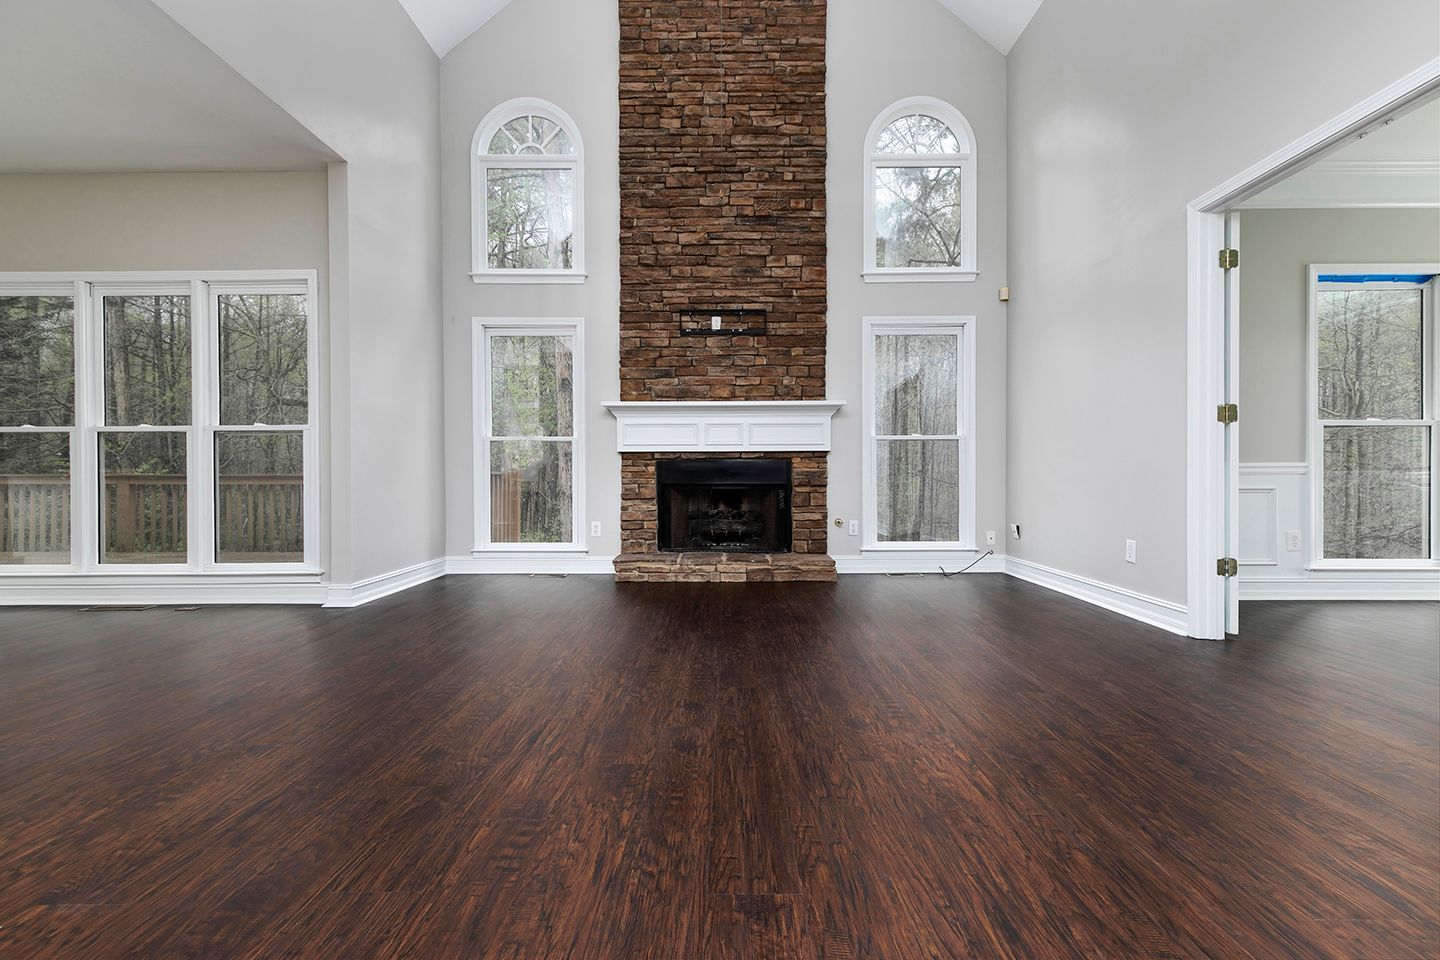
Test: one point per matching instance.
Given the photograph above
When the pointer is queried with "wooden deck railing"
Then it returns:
(145, 513)
(505, 506)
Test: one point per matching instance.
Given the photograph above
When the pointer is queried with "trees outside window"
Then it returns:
(527, 450)
(1373, 394)
(920, 194)
(919, 457)
(526, 193)
(158, 421)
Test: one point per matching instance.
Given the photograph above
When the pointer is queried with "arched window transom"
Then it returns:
(527, 190)
(920, 194)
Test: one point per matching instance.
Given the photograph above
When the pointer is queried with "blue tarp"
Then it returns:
(1376, 277)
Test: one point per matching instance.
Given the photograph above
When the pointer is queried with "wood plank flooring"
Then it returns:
(896, 768)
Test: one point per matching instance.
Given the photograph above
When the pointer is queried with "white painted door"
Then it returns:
(1232, 430)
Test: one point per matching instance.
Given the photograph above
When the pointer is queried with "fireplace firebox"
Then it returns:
(730, 506)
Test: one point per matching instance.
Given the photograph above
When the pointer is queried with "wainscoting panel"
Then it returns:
(1275, 501)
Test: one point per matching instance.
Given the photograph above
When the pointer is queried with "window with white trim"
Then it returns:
(920, 194)
(1373, 429)
(529, 441)
(527, 188)
(919, 445)
(158, 423)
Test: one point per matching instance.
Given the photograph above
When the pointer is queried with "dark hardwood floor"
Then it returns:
(884, 768)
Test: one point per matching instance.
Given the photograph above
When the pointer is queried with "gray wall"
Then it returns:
(877, 54)
(1121, 112)
(164, 221)
(359, 76)
(1278, 247)
(495, 64)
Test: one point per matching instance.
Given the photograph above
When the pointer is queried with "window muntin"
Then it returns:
(527, 199)
(918, 474)
(529, 492)
(920, 194)
(1373, 433)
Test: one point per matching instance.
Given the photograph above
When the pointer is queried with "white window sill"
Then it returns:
(921, 276)
(531, 550)
(176, 574)
(1378, 567)
(528, 276)
(879, 549)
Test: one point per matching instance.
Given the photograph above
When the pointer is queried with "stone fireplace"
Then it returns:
(722, 288)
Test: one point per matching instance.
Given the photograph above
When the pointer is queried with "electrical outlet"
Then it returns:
(1014, 531)
(854, 528)
(989, 538)
(1129, 551)
(1292, 541)
(595, 528)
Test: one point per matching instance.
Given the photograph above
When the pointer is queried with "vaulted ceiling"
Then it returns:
(446, 22)
(117, 86)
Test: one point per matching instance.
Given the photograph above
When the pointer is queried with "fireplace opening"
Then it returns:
(730, 506)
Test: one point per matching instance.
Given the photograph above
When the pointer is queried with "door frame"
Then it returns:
(1208, 483)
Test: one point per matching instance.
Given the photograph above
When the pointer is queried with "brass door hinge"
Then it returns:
(1229, 258)
(1227, 567)
(1228, 412)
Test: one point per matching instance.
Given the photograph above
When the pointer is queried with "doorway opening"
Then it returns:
(1288, 425)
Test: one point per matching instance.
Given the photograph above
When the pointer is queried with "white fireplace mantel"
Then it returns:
(722, 425)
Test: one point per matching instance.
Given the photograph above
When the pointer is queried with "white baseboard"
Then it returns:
(1340, 588)
(373, 588)
(1158, 613)
(927, 562)
(67, 590)
(572, 564)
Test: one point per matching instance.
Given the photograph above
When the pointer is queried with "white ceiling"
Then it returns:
(1395, 164)
(446, 22)
(117, 86)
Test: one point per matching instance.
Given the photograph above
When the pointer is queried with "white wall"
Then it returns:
(1277, 248)
(878, 53)
(1121, 112)
(495, 64)
(164, 221)
(360, 77)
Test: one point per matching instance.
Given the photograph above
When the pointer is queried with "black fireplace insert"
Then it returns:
(732, 506)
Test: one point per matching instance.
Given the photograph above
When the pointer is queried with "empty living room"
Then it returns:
(719, 480)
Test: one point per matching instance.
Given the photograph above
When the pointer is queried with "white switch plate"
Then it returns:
(1129, 551)
(1015, 531)
(1292, 540)
(595, 528)
(854, 528)
(989, 538)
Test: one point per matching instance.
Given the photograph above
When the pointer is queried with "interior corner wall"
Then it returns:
(1278, 248)
(1110, 137)
(495, 64)
(877, 54)
(361, 78)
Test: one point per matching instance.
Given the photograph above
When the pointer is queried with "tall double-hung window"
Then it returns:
(1373, 429)
(161, 423)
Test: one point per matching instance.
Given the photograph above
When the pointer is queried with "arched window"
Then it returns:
(920, 193)
(527, 194)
